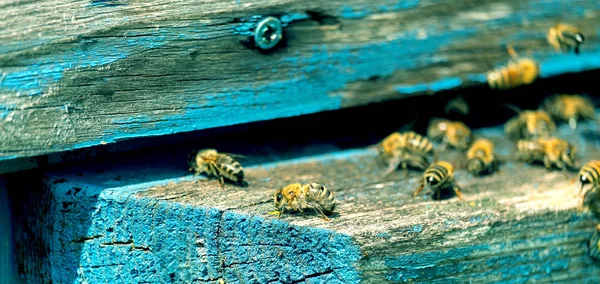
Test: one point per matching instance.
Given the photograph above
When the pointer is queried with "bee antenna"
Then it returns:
(512, 107)
(511, 51)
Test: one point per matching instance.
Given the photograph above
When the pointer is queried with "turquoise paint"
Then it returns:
(350, 12)
(570, 63)
(359, 12)
(440, 85)
(324, 72)
(100, 235)
(456, 262)
(42, 72)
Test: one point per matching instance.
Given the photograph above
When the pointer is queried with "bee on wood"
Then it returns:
(299, 197)
(530, 124)
(219, 165)
(438, 176)
(406, 149)
(453, 133)
(565, 37)
(594, 244)
(519, 71)
(480, 157)
(551, 151)
(589, 174)
(570, 108)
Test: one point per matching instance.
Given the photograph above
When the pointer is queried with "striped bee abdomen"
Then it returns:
(438, 174)
(418, 144)
(590, 173)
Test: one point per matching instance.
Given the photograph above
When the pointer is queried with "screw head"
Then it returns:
(268, 33)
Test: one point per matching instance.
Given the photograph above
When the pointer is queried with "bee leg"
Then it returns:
(280, 211)
(221, 182)
(438, 192)
(444, 144)
(436, 156)
(318, 208)
(392, 166)
(547, 163)
(457, 191)
(419, 189)
(405, 169)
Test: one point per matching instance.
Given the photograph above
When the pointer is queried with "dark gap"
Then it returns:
(325, 132)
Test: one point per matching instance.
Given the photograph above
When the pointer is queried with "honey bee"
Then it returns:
(480, 157)
(594, 244)
(589, 174)
(439, 175)
(219, 165)
(565, 37)
(299, 197)
(551, 151)
(519, 71)
(570, 108)
(453, 133)
(406, 149)
(530, 124)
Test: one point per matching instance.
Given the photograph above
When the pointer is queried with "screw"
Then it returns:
(268, 33)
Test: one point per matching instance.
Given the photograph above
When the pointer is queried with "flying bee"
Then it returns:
(551, 151)
(480, 157)
(219, 165)
(565, 37)
(299, 197)
(406, 149)
(438, 176)
(594, 244)
(529, 124)
(570, 108)
(453, 133)
(519, 71)
(589, 174)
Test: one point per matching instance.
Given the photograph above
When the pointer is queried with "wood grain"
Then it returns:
(518, 224)
(76, 74)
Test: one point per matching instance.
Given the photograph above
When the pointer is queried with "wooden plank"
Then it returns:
(78, 73)
(518, 225)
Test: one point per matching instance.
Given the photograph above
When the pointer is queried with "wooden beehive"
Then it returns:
(100, 101)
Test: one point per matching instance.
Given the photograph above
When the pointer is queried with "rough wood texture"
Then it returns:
(516, 226)
(75, 74)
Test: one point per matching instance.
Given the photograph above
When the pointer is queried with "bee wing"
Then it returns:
(233, 155)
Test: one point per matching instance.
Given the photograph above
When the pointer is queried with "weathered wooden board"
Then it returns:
(75, 74)
(115, 221)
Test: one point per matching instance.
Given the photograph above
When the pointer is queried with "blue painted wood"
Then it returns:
(116, 70)
(137, 222)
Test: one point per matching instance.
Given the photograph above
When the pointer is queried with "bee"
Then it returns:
(406, 149)
(298, 197)
(530, 124)
(570, 108)
(453, 133)
(565, 37)
(589, 174)
(519, 71)
(219, 165)
(480, 157)
(594, 244)
(552, 151)
(439, 175)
